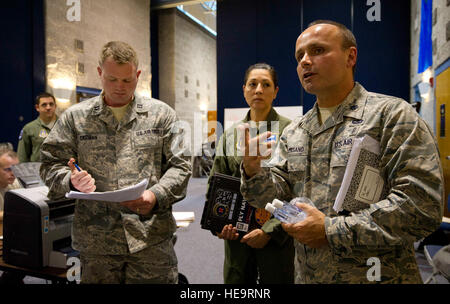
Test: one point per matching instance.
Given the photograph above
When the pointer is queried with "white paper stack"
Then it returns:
(122, 195)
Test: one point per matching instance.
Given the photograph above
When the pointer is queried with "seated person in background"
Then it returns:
(8, 181)
(33, 134)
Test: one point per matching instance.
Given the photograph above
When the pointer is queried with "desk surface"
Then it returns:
(47, 273)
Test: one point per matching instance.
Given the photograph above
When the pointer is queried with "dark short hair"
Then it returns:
(262, 66)
(348, 39)
(43, 95)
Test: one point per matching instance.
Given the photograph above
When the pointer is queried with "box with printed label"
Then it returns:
(225, 205)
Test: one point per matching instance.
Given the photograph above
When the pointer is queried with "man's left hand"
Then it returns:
(143, 205)
(310, 231)
(256, 238)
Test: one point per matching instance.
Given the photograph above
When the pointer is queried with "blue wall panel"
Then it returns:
(266, 30)
(254, 31)
(384, 48)
(236, 50)
(278, 27)
(22, 58)
(312, 10)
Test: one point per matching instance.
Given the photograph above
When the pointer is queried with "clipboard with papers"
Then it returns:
(117, 196)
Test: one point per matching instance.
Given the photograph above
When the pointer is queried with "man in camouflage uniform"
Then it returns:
(119, 139)
(34, 133)
(313, 153)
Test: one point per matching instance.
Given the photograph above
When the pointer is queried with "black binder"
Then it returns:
(225, 205)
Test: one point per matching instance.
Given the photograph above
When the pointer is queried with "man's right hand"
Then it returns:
(256, 149)
(228, 233)
(81, 180)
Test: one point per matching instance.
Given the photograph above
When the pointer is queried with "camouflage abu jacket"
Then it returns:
(118, 155)
(312, 161)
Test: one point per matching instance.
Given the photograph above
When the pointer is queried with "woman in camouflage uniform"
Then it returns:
(266, 254)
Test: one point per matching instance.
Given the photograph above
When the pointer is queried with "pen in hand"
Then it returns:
(76, 166)
(80, 179)
(73, 162)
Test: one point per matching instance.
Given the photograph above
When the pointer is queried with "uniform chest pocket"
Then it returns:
(297, 165)
(339, 158)
(341, 148)
(338, 165)
(37, 140)
(296, 162)
(142, 140)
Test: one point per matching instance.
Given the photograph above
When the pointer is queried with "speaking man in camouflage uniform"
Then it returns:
(312, 158)
(118, 139)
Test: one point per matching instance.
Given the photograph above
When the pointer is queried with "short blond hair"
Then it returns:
(121, 52)
(6, 148)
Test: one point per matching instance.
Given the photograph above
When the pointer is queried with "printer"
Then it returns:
(36, 230)
(28, 174)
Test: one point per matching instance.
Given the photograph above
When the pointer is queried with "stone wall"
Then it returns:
(187, 69)
(93, 23)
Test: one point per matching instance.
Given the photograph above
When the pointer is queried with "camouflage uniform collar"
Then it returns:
(100, 109)
(141, 104)
(352, 106)
(138, 104)
(98, 105)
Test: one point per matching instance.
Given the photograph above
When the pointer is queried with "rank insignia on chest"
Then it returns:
(43, 133)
